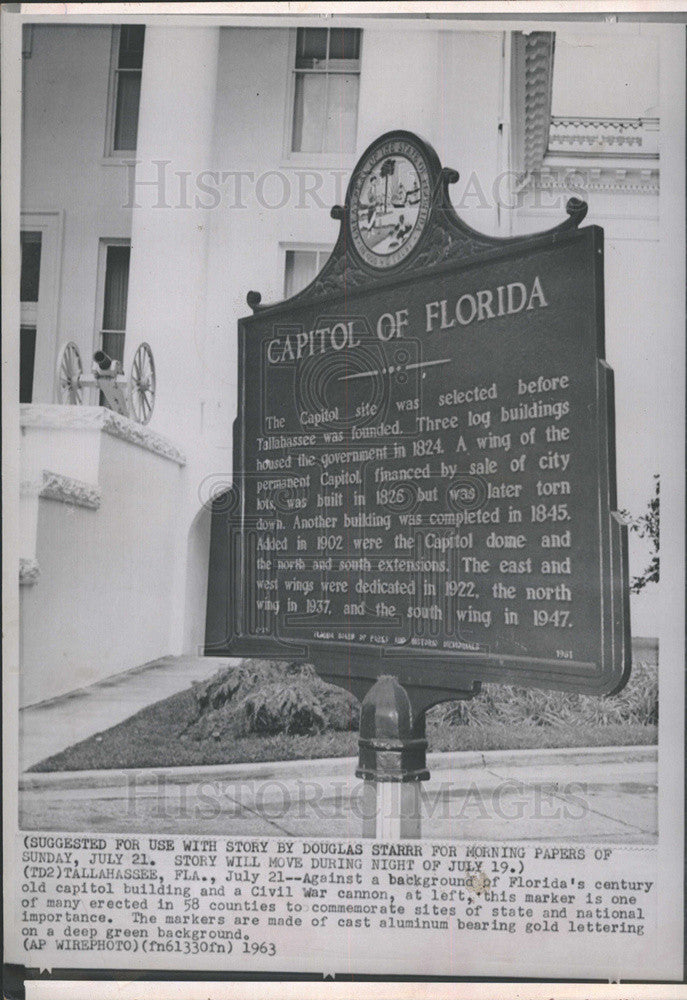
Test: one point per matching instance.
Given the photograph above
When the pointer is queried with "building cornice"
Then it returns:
(98, 418)
(580, 180)
(608, 137)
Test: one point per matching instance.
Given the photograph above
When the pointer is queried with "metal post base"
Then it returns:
(392, 810)
(392, 760)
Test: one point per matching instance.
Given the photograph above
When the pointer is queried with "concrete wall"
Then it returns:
(105, 549)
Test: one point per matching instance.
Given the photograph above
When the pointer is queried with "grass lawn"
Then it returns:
(157, 737)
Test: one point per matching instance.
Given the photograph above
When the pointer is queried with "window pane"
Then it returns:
(344, 43)
(308, 112)
(322, 258)
(126, 119)
(299, 271)
(116, 288)
(30, 266)
(131, 46)
(311, 47)
(27, 355)
(342, 113)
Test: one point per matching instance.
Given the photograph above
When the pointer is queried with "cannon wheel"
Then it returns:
(69, 372)
(141, 390)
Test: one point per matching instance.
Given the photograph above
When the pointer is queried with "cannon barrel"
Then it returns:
(104, 361)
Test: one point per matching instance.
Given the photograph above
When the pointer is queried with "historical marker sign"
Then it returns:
(424, 468)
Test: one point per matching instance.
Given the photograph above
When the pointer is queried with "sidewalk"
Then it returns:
(54, 725)
(604, 794)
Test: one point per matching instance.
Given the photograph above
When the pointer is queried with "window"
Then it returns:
(325, 93)
(301, 267)
(31, 245)
(125, 88)
(39, 282)
(115, 291)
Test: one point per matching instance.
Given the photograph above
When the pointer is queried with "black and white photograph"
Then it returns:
(343, 489)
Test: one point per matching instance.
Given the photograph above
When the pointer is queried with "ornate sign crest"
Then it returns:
(390, 200)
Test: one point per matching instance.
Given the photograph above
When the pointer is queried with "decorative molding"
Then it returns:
(98, 418)
(583, 179)
(336, 272)
(532, 81)
(447, 241)
(539, 46)
(139, 434)
(64, 489)
(600, 154)
(609, 137)
(29, 571)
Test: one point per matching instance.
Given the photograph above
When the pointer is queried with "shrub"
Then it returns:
(267, 697)
(508, 705)
(293, 709)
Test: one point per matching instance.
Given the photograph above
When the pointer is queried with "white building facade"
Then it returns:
(167, 171)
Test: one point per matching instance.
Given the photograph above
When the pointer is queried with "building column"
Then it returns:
(447, 68)
(412, 53)
(169, 251)
(169, 232)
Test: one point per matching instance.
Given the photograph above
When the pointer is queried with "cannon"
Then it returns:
(133, 397)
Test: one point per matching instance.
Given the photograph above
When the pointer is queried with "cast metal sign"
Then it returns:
(424, 464)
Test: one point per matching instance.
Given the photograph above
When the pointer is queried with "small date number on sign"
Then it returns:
(558, 619)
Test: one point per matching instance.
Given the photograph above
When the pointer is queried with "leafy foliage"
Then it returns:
(265, 697)
(499, 704)
(648, 525)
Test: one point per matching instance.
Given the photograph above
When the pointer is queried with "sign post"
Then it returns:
(392, 761)
(424, 470)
